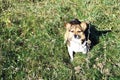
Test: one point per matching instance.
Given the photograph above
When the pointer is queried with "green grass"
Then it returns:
(31, 40)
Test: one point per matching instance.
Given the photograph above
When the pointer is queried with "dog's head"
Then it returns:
(75, 30)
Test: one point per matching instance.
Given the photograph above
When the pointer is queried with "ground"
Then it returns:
(32, 40)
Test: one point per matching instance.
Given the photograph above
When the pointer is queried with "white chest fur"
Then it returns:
(76, 46)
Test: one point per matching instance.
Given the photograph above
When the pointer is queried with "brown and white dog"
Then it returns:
(75, 37)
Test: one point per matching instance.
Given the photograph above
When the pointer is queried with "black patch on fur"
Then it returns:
(74, 21)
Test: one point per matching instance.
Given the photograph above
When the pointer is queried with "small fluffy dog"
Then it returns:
(75, 37)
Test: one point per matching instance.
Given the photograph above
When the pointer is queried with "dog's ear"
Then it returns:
(67, 26)
(83, 25)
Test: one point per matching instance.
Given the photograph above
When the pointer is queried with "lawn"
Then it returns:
(32, 40)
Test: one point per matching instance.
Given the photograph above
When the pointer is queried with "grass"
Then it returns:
(31, 40)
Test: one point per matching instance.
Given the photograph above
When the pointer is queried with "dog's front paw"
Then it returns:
(71, 59)
(85, 50)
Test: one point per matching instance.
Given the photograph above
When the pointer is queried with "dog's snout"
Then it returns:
(77, 36)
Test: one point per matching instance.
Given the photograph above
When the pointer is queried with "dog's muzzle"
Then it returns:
(77, 36)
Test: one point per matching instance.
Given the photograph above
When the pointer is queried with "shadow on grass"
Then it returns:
(94, 38)
(95, 34)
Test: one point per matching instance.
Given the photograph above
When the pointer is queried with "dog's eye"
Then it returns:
(72, 31)
(78, 31)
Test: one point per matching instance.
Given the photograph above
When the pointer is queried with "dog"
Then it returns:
(75, 37)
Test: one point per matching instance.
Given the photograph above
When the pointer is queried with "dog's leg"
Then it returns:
(70, 54)
(85, 48)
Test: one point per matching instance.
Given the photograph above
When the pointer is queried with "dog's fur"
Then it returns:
(75, 37)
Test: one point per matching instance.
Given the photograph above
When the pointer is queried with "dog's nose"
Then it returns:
(77, 36)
